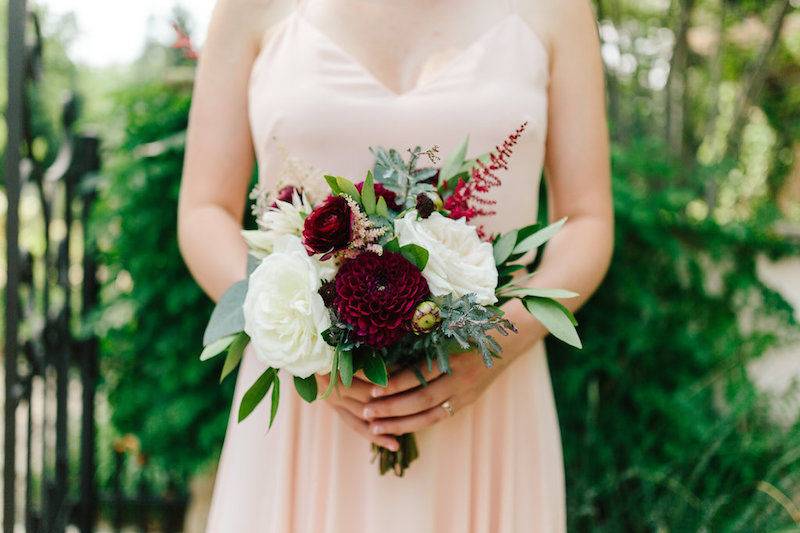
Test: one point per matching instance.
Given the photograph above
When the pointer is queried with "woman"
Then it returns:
(323, 80)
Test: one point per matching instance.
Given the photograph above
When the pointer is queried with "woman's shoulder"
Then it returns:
(554, 20)
(250, 20)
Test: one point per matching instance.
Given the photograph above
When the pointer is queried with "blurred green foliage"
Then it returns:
(662, 428)
(155, 313)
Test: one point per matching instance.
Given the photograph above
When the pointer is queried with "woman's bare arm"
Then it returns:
(219, 151)
(577, 166)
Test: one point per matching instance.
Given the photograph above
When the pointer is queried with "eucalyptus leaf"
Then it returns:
(346, 367)
(228, 316)
(453, 162)
(217, 347)
(551, 314)
(276, 398)
(539, 238)
(368, 194)
(381, 208)
(503, 247)
(375, 370)
(256, 393)
(521, 292)
(234, 357)
(252, 263)
(348, 187)
(306, 387)
(415, 254)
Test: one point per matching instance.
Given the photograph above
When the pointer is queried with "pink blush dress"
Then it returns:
(496, 465)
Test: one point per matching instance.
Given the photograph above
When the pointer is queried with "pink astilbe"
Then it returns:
(469, 197)
(364, 233)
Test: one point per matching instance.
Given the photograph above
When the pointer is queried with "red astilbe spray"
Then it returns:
(469, 197)
(184, 43)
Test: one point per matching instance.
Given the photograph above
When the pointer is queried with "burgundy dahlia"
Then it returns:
(382, 192)
(329, 226)
(377, 295)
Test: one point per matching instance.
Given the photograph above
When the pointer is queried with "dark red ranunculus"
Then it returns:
(382, 192)
(328, 227)
(285, 195)
(377, 295)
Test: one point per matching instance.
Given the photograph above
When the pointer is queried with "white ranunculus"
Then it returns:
(286, 218)
(459, 263)
(284, 315)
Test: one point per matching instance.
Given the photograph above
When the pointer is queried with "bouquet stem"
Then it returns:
(397, 461)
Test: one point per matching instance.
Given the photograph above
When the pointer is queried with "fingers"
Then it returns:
(408, 424)
(406, 380)
(410, 403)
(362, 428)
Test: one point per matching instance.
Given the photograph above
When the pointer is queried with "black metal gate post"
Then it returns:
(40, 356)
(17, 10)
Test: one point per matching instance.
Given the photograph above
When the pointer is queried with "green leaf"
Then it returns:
(539, 238)
(368, 194)
(334, 376)
(506, 270)
(234, 356)
(503, 247)
(453, 162)
(346, 367)
(256, 393)
(228, 316)
(375, 370)
(392, 246)
(306, 387)
(333, 184)
(521, 292)
(252, 263)
(415, 254)
(276, 398)
(381, 208)
(348, 187)
(551, 314)
(217, 347)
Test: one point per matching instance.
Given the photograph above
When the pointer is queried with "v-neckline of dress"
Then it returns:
(424, 81)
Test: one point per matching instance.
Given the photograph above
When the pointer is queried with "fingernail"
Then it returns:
(376, 391)
(377, 430)
(368, 413)
(393, 447)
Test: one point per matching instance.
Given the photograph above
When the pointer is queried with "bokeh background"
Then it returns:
(680, 414)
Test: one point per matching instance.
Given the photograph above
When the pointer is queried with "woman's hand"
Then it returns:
(349, 403)
(405, 406)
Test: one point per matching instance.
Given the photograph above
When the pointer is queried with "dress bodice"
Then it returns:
(312, 101)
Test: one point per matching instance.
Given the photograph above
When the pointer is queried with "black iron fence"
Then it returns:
(48, 291)
(50, 360)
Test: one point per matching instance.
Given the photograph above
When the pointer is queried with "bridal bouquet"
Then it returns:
(378, 276)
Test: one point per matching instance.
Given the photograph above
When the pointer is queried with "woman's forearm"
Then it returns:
(212, 246)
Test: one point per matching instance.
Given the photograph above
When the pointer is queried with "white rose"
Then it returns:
(284, 315)
(286, 218)
(459, 263)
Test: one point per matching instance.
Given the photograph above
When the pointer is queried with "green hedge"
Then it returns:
(152, 328)
(662, 428)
